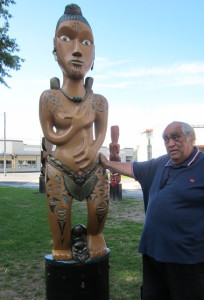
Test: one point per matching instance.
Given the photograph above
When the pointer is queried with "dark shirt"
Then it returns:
(174, 204)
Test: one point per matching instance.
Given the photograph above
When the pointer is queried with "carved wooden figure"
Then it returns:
(75, 120)
(114, 148)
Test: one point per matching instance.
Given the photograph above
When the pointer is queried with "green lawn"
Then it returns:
(25, 239)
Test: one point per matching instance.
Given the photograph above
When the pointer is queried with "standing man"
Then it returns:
(172, 241)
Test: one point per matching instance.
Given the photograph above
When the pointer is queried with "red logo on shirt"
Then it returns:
(192, 180)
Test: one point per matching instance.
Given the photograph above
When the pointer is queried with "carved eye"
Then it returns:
(86, 42)
(65, 38)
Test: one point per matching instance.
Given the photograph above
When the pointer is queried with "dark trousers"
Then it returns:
(169, 281)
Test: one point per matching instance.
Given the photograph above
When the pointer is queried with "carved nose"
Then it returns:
(76, 49)
(77, 53)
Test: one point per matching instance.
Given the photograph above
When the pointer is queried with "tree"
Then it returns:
(8, 46)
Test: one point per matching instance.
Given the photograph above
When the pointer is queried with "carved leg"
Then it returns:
(59, 204)
(97, 204)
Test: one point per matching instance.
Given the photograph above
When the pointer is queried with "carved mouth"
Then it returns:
(77, 62)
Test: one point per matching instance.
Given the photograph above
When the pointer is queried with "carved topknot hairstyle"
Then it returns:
(72, 9)
(72, 12)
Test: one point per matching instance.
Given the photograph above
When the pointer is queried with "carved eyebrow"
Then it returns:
(72, 31)
(65, 30)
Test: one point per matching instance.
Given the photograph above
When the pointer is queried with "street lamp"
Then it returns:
(4, 143)
(149, 146)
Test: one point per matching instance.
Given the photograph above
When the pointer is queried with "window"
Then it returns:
(8, 164)
(129, 158)
(26, 164)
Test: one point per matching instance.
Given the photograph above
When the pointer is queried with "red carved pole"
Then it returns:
(114, 148)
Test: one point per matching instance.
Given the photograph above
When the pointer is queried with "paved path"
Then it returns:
(27, 180)
(130, 188)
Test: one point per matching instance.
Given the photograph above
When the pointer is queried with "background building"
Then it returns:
(126, 154)
(20, 157)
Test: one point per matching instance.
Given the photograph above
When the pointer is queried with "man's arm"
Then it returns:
(116, 167)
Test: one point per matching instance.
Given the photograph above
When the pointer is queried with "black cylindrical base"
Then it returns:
(70, 280)
(116, 192)
(42, 184)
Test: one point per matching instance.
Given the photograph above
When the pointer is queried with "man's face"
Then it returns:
(177, 145)
(74, 46)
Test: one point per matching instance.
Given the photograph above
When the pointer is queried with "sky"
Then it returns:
(149, 64)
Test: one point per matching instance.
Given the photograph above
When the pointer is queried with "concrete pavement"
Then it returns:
(130, 188)
(27, 180)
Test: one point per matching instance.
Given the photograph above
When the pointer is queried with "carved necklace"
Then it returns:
(75, 99)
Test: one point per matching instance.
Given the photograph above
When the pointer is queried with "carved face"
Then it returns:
(74, 45)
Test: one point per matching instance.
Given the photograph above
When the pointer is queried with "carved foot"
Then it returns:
(96, 245)
(62, 254)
